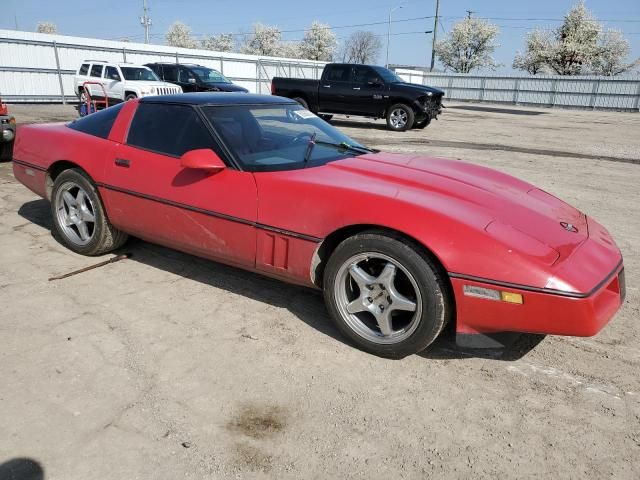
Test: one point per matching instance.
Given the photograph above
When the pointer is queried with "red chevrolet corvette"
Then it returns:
(400, 244)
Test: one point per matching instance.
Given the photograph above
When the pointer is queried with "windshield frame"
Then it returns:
(155, 77)
(299, 165)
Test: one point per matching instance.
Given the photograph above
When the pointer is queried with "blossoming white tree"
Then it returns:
(179, 35)
(222, 42)
(578, 46)
(534, 59)
(613, 51)
(319, 43)
(46, 27)
(468, 46)
(265, 40)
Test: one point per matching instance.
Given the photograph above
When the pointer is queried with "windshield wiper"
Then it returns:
(348, 147)
(307, 154)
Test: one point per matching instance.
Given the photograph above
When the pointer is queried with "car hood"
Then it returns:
(512, 211)
(224, 87)
(417, 89)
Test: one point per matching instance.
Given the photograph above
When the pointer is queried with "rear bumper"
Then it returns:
(546, 312)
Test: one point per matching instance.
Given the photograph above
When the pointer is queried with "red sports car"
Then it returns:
(400, 244)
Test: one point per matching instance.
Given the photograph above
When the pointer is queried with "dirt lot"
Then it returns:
(165, 366)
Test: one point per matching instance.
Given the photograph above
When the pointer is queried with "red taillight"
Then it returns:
(273, 89)
(3, 109)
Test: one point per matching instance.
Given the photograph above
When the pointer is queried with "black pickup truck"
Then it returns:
(364, 90)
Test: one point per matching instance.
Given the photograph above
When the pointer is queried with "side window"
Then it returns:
(170, 73)
(365, 75)
(97, 124)
(84, 69)
(151, 130)
(339, 73)
(186, 75)
(96, 70)
(112, 73)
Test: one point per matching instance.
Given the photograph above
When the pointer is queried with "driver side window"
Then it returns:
(365, 75)
(151, 130)
(186, 75)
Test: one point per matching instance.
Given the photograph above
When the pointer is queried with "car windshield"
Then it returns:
(387, 75)
(139, 73)
(277, 137)
(208, 75)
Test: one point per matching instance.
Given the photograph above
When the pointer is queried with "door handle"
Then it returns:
(356, 88)
(122, 162)
(326, 86)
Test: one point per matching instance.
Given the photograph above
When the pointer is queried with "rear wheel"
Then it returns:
(302, 102)
(385, 295)
(79, 218)
(400, 117)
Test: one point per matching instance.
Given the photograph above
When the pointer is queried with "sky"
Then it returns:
(409, 45)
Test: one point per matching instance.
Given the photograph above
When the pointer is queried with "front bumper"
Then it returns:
(546, 312)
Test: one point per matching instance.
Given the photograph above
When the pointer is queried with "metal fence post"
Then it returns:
(124, 54)
(482, 85)
(258, 75)
(222, 65)
(554, 90)
(177, 59)
(516, 91)
(55, 51)
(449, 87)
(594, 94)
(637, 105)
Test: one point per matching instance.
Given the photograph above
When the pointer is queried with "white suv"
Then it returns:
(121, 81)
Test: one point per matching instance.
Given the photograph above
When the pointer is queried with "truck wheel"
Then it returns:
(400, 117)
(302, 102)
(130, 96)
(422, 123)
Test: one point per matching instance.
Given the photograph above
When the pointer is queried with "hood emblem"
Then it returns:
(569, 227)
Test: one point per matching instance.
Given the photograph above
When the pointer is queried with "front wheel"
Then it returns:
(400, 117)
(79, 219)
(130, 96)
(422, 123)
(386, 295)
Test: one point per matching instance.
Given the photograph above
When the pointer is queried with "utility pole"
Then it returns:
(435, 35)
(145, 20)
(389, 33)
(469, 13)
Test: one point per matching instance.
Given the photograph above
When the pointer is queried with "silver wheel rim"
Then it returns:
(83, 97)
(398, 118)
(378, 298)
(75, 213)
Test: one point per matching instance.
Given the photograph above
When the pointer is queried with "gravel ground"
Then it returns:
(165, 366)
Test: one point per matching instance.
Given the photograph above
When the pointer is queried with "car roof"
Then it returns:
(218, 98)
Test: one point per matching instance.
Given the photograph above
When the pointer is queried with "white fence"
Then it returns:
(37, 67)
(594, 92)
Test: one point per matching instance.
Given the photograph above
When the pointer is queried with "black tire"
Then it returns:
(302, 102)
(130, 96)
(436, 300)
(406, 124)
(326, 117)
(6, 151)
(422, 123)
(105, 237)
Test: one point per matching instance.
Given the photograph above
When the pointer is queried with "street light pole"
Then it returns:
(389, 33)
(435, 34)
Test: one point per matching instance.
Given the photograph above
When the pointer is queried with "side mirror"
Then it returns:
(192, 80)
(202, 159)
